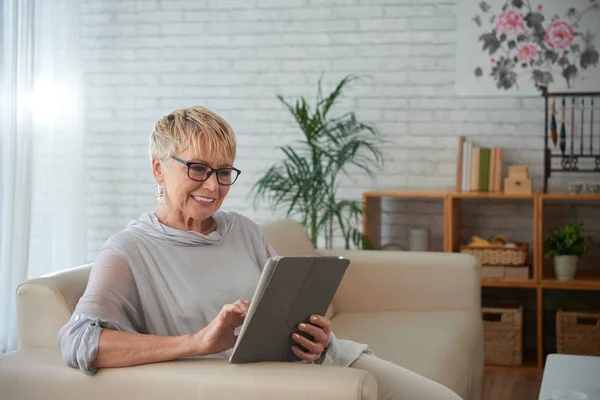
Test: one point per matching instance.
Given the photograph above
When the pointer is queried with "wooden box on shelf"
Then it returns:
(503, 333)
(498, 255)
(518, 181)
(578, 332)
(518, 172)
(517, 186)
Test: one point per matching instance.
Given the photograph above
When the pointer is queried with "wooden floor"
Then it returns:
(511, 385)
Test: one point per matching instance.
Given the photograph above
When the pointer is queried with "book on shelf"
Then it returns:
(479, 168)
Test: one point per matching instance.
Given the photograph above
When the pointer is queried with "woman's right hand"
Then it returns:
(219, 335)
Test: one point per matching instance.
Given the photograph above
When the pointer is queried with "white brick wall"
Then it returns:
(145, 57)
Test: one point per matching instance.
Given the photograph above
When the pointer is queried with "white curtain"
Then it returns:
(41, 187)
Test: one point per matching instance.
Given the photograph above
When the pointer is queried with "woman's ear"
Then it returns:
(157, 170)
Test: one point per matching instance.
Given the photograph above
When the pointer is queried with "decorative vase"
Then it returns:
(565, 266)
(418, 239)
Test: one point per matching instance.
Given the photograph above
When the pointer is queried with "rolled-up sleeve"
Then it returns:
(110, 301)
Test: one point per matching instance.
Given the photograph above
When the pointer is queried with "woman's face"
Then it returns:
(193, 199)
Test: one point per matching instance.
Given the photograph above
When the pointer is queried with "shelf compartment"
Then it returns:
(557, 298)
(470, 214)
(528, 297)
(558, 212)
(390, 218)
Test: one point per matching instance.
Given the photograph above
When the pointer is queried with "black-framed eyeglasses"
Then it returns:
(200, 172)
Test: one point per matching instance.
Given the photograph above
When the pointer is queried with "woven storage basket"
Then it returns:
(499, 255)
(578, 332)
(503, 334)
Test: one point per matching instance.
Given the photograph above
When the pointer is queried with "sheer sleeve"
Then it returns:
(110, 301)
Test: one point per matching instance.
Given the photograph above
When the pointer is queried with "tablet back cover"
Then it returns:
(297, 288)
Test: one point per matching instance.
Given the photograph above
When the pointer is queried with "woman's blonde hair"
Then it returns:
(195, 126)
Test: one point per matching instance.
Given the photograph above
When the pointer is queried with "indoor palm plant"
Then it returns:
(305, 183)
(566, 244)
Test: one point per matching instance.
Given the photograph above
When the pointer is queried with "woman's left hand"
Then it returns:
(319, 328)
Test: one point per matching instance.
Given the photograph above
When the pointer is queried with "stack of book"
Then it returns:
(479, 169)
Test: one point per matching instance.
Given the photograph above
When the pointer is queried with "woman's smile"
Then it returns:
(203, 201)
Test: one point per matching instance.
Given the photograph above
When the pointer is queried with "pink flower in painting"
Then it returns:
(510, 23)
(527, 52)
(559, 35)
(540, 7)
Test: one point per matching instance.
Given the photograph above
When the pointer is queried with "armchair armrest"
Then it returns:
(46, 303)
(397, 280)
(31, 373)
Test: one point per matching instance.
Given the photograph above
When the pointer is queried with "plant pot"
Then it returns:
(565, 266)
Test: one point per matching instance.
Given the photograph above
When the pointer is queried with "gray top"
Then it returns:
(153, 279)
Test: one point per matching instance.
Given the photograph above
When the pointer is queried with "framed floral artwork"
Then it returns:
(507, 47)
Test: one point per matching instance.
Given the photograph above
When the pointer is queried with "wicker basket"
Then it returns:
(499, 255)
(503, 334)
(578, 332)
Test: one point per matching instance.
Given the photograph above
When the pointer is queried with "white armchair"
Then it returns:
(419, 310)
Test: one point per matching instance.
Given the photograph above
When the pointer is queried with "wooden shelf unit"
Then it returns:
(541, 279)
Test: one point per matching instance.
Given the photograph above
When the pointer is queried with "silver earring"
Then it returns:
(159, 192)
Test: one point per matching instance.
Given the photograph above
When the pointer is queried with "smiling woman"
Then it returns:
(176, 282)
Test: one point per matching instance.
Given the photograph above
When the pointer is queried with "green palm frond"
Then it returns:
(311, 126)
(354, 145)
(305, 182)
(324, 105)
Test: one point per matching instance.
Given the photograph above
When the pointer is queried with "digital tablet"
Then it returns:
(290, 290)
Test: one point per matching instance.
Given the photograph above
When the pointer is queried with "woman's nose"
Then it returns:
(211, 183)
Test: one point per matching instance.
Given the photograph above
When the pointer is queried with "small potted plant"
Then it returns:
(566, 244)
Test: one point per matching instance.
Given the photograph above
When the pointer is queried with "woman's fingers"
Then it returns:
(243, 303)
(319, 329)
(243, 306)
(303, 355)
(311, 346)
(316, 332)
(321, 321)
(239, 306)
(237, 309)
(229, 309)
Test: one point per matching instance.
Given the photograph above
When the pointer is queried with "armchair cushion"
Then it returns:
(440, 345)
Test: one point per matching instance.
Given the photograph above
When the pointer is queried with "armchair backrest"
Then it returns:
(288, 238)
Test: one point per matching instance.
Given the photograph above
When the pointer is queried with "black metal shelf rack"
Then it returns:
(587, 135)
